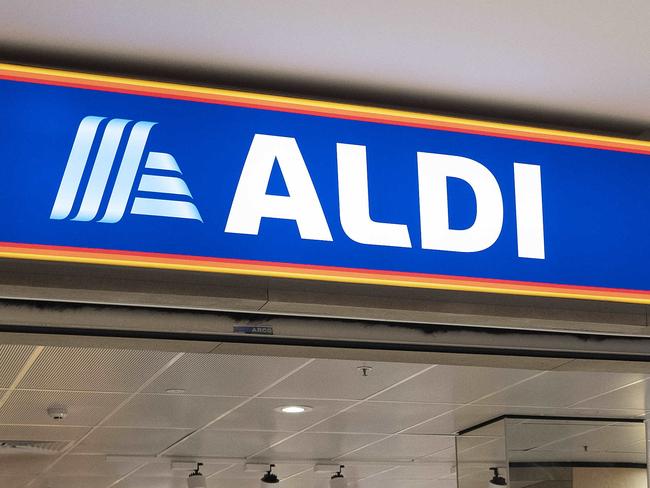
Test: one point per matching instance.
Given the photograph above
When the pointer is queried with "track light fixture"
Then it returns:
(196, 479)
(496, 479)
(269, 478)
(338, 480)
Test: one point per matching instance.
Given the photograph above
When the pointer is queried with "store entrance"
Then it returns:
(128, 417)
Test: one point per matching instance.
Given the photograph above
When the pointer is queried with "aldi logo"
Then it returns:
(280, 187)
(161, 186)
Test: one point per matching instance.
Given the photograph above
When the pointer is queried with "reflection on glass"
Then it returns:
(553, 453)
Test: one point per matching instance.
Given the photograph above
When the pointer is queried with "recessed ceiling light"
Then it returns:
(294, 409)
(175, 390)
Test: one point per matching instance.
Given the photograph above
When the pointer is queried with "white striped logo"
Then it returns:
(169, 183)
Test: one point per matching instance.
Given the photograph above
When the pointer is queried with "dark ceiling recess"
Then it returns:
(317, 332)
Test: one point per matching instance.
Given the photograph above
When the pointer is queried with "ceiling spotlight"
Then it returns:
(496, 479)
(294, 409)
(269, 478)
(175, 391)
(337, 480)
(196, 479)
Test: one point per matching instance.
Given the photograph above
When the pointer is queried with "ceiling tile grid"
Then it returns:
(342, 380)
(213, 443)
(84, 409)
(263, 414)
(455, 384)
(128, 441)
(210, 406)
(12, 359)
(223, 375)
(171, 411)
(88, 369)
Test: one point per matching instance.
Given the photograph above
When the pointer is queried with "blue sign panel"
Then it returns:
(115, 171)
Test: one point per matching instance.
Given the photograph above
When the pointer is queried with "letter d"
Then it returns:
(433, 171)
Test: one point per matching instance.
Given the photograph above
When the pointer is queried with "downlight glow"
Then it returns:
(294, 409)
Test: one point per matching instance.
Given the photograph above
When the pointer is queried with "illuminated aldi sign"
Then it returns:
(116, 171)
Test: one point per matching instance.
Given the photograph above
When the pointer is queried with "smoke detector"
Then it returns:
(57, 412)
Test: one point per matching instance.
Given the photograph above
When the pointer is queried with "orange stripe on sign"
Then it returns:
(319, 108)
(321, 273)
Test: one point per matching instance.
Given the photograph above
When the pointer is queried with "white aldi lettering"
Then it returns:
(169, 183)
(251, 202)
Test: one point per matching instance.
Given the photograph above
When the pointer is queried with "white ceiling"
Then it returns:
(119, 405)
(576, 59)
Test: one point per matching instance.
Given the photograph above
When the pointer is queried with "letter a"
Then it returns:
(252, 203)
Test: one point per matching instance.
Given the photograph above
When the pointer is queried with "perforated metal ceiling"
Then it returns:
(224, 406)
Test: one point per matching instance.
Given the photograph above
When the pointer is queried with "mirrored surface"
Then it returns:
(554, 453)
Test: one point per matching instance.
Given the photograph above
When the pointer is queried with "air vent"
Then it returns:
(32, 447)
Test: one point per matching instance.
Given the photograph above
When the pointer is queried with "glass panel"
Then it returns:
(481, 454)
(554, 453)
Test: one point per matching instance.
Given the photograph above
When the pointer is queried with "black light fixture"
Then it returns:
(496, 479)
(338, 480)
(269, 478)
(196, 479)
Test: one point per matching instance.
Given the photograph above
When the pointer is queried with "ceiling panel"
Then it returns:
(381, 417)
(126, 441)
(154, 482)
(470, 415)
(312, 480)
(461, 418)
(339, 379)
(577, 456)
(525, 436)
(41, 433)
(319, 446)
(163, 469)
(560, 388)
(415, 472)
(379, 483)
(75, 465)
(13, 357)
(633, 396)
(88, 369)
(455, 384)
(216, 443)
(223, 375)
(175, 411)
(84, 409)
(446, 455)
(20, 465)
(402, 448)
(261, 414)
(491, 452)
(14, 480)
(77, 481)
(224, 483)
(606, 439)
